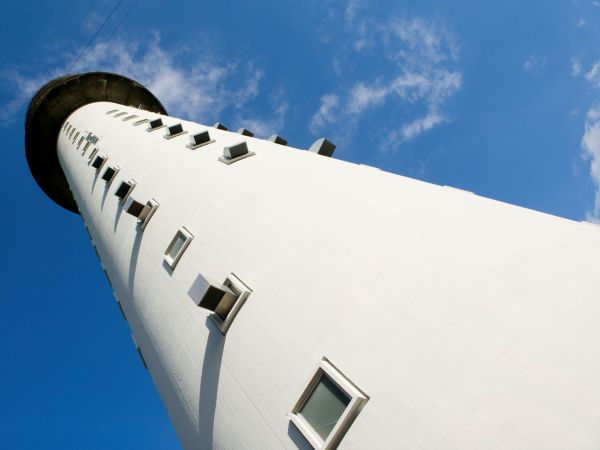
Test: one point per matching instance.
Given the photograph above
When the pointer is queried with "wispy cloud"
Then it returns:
(327, 112)
(201, 90)
(593, 75)
(272, 124)
(416, 58)
(575, 67)
(534, 64)
(590, 144)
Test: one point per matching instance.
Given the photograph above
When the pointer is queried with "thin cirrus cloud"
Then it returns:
(200, 91)
(419, 54)
(534, 64)
(590, 142)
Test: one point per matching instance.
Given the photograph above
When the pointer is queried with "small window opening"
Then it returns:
(327, 408)
(224, 299)
(98, 162)
(124, 190)
(174, 131)
(109, 174)
(75, 138)
(322, 147)
(85, 147)
(120, 114)
(235, 153)
(112, 111)
(143, 212)
(155, 124)
(245, 132)
(133, 116)
(178, 245)
(139, 122)
(199, 139)
(65, 125)
(277, 139)
(79, 143)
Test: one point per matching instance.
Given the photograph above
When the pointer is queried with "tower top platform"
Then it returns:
(51, 106)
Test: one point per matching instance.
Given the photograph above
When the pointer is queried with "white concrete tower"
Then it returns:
(282, 299)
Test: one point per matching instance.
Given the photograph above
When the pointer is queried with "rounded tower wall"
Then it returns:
(392, 279)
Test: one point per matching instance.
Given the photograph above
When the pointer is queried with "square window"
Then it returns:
(109, 174)
(199, 140)
(124, 190)
(224, 300)
(327, 408)
(155, 124)
(178, 245)
(135, 208)
(143, 212)
(174, 131)
(235, 153)
(98, 162)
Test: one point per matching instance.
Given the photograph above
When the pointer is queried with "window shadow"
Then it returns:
(120, 207)
(209, 384)
(135, 251)
(95, 180)
(104, 195)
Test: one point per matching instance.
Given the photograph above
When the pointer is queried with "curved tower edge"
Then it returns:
(50, 107)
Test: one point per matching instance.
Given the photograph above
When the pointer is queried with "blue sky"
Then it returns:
(498, 98)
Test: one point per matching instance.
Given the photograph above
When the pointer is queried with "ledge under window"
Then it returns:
(327, 407)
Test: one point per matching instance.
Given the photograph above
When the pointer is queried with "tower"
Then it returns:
(284, 299)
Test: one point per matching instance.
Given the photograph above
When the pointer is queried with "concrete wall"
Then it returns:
(470, 323)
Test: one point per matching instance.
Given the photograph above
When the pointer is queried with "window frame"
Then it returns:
(131, 184)
(99, 168)
(172, 261)
(243, 291)
(358, 399)
(114, 175)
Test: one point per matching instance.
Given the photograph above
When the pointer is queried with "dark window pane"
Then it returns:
(325, 406)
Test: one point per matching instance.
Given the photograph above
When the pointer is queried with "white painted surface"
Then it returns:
(470, 323)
